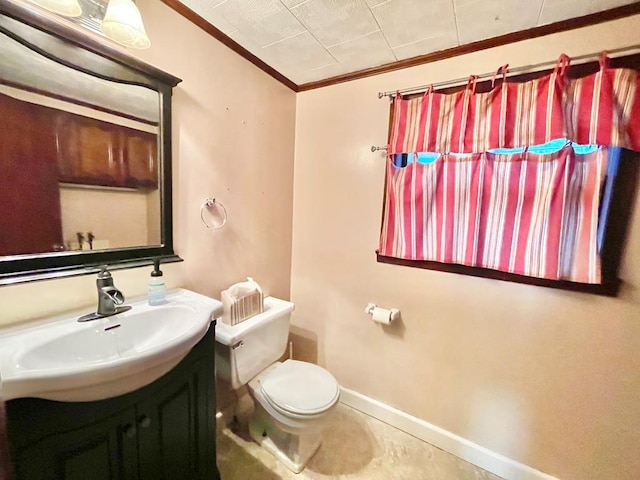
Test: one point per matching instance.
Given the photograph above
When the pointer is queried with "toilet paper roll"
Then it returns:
(381, 315)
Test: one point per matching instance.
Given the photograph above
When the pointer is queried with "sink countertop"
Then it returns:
(60, 358)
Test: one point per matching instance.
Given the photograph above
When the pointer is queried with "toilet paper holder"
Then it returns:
(395, 313)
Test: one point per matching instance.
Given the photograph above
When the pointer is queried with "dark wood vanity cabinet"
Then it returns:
(164, 431)
(102, 450)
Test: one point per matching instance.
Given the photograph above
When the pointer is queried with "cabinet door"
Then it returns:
(101, 152)
(30, 218)
(89, 151)
(164, 431)
(104, 450)
(141, 158)
(176, 427)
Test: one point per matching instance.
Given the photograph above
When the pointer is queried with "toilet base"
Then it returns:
(294, 451)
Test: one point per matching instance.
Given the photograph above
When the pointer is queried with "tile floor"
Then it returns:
(355, 447)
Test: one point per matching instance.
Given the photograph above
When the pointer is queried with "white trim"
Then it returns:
(471, 452)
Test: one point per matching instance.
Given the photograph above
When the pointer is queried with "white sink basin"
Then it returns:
(62, 359)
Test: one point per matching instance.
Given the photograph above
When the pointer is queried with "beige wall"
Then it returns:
(233, 137)
(117, 218)
(547, 377)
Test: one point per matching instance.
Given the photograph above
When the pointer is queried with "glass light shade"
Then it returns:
(68, 8)
(123, 23)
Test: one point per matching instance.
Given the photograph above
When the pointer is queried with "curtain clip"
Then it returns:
(503, 69)
(471, 83)
(603, 59)
(562, 64)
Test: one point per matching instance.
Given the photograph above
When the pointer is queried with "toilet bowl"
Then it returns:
(294, 403)
(293, 400)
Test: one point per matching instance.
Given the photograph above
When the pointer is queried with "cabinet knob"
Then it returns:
(129, 430)
(144, 421)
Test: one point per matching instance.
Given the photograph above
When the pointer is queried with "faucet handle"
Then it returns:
(116, 296)
(104, 273)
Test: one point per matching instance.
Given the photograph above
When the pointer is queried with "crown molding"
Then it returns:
(197, 20)
(557, 27)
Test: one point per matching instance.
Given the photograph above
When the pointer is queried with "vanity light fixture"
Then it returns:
(67, 8)
(123, 23)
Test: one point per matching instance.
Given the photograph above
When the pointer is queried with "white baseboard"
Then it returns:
(460, 447)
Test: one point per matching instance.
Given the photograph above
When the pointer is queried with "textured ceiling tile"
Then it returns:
(428, 45)
(327, 71)
(407, 21)
(302, 52)
(202, 5)
(599, 5)
(556, 10)
(373, 3)
(366, 33)
(246, 42)
(206, 9)
(484, 19)
(264, 21)
(336, 21)
(293, 3)
(364, 52)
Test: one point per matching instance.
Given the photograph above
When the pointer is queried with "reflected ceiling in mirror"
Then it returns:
(29, 70)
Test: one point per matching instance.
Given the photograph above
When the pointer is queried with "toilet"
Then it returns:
(293, 400)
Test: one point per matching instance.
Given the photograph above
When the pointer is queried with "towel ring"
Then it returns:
(210, 202)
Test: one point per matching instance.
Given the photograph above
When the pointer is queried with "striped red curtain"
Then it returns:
(525, 213)
(596, 109)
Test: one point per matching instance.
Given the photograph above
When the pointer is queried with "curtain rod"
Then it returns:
(512, 71)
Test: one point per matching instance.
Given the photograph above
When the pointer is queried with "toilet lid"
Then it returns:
(301, 388)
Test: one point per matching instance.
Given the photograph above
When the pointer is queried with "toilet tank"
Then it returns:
(245, 349)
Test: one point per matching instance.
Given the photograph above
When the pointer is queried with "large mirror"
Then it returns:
(85, 152)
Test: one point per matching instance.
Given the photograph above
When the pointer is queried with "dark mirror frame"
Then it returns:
(72, 48)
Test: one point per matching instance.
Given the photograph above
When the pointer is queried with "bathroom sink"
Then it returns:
(62, 359)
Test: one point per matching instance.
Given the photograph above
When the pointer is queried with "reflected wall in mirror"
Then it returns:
(85, 173)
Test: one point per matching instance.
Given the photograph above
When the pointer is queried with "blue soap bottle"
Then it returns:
(157, 293)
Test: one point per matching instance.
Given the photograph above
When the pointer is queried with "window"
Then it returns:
(414, 194)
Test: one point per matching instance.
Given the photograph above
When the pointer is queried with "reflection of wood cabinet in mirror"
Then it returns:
(88, 152)
(30, 200)
(94, 152)
(95, 118)
(140, 151)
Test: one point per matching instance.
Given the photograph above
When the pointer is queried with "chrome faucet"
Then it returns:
(109, 297)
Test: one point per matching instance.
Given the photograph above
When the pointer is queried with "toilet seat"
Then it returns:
(300, 389)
